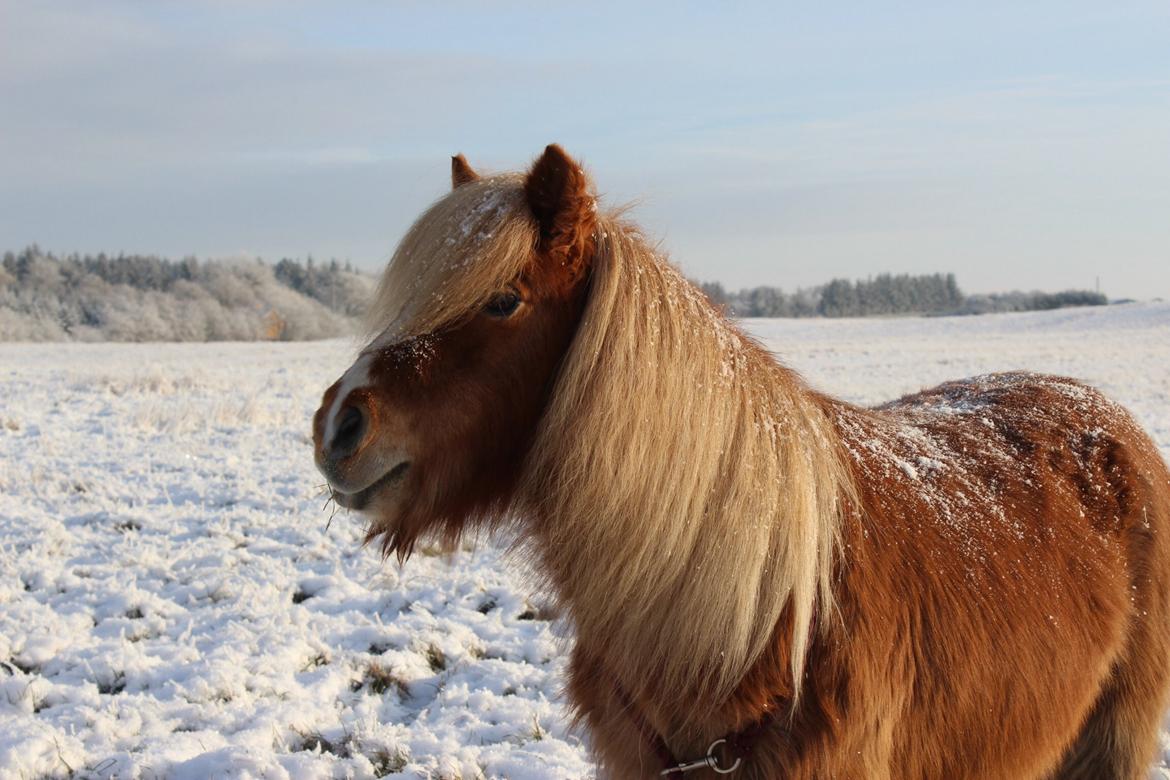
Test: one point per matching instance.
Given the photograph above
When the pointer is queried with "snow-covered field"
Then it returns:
(173, 602)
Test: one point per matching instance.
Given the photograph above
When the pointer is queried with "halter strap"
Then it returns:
(737, 745)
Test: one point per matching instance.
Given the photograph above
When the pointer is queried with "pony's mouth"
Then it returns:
(359, 500)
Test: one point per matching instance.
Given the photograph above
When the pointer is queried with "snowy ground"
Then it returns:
(173, 605)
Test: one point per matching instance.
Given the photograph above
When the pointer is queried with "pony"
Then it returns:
(969, 582)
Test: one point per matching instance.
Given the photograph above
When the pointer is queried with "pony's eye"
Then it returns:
(503, 305)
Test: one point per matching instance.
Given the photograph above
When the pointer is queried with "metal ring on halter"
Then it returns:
(714, 762)
(708, 761)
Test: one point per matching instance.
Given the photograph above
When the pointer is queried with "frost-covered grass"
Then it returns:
(173, 604)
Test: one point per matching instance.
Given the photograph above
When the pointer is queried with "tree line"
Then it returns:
(888, 294)
(46, 297)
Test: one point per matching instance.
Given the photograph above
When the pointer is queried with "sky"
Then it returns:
(1020, 146)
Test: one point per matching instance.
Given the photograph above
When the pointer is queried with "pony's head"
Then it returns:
(428, 429)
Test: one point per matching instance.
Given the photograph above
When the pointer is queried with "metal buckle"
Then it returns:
(708, 761)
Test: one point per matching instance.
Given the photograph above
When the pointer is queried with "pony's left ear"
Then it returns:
(461, 172)
(559, 195)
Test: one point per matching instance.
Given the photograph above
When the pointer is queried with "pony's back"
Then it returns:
(1014, 545)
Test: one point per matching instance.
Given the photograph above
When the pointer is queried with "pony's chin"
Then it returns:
(368, 498)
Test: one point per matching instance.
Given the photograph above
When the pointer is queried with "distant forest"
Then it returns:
(888, 294)
(47, 297)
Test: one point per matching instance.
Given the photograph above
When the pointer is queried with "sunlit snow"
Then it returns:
(174, 602)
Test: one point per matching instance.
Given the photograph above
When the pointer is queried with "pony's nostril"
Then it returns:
(351, 427)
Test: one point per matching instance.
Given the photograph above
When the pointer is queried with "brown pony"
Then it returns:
(970, 582)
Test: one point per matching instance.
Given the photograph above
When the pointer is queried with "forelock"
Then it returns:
(462, 250)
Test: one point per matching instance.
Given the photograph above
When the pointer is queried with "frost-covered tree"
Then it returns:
(148, 298)
(886, 294)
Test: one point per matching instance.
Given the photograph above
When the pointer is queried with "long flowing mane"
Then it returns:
(690, 489)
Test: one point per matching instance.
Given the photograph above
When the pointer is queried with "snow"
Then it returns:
(175, 603)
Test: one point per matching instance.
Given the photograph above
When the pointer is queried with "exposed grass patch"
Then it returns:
(378, 679)
(436, 659)
(113, 686)
(320, 659)
(386, 762)
(316, 742)
(537, 732)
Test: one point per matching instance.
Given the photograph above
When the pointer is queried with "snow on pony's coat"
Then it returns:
(969, 582)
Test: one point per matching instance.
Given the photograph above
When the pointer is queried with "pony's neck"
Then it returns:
(685, 487)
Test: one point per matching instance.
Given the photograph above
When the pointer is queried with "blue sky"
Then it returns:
(1017, 146)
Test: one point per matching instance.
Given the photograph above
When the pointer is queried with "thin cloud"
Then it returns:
(766, 144)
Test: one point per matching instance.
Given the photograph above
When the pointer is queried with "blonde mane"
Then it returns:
(462, 250)
(684, 489)
(689, 489)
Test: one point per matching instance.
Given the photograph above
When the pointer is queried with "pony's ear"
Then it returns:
(559, 195)
(461, 172)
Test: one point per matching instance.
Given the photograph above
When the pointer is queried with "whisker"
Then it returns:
(333, 514)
